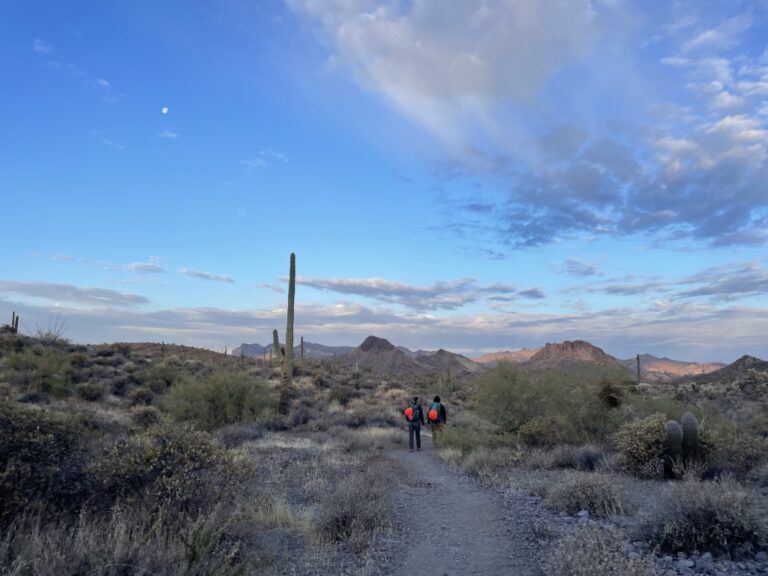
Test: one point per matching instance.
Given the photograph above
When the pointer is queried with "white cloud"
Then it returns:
(263, 159)
(41, 47)
(675, 61)
(207, 276)
(168, 135)
(103, 83)
(727, 101)
(722, 37)
(446, 64)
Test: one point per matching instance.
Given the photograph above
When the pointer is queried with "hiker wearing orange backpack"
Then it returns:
(414, 416)
(437, 417)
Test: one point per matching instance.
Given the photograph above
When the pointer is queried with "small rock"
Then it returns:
(761, 557)
(583, 514)
(684, 564)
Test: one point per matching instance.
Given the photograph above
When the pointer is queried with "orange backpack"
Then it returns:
(434, 412)
(409, 412)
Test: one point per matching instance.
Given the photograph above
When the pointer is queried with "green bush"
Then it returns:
(640, 445)
(145, 416)
(539, 431)
(141, 396)
(44, 370)
(173, 468)
(90, 391)
(738, 452)
(159, 377)
(594, 551)
(220, 399)
(342, 393)
(720, 517)
(42, 461)
(511, 397)
(595, 493)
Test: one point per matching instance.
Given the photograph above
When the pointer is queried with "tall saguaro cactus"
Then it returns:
(288, 356)
(276, 346)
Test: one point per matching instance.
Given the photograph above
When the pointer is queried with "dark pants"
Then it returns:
(414, 429)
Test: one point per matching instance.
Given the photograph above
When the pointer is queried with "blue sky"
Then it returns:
(474, 175)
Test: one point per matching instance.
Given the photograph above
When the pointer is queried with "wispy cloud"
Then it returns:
(151, 267)
(73, 294)
(111, 144)
(168, 135)
(442, 295)
(42, 47)
(207, 276)
(576, 267)
(263, 159)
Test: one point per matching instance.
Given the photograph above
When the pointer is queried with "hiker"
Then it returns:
(414, 415)
(437, 417)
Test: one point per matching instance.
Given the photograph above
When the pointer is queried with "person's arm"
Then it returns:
(445, 413)
(421, 415)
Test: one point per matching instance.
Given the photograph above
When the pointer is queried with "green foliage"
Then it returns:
(159, 377)
(43, 369)
(220, 399)
(141, 396)
(673, 447)
(90, 391)
(720, 517)
(595, 493)
(539, 432)
(145, 416)
(168, 467)
(510, 397)
(640, 445)
(691, 444)
(738, 452)
(42, 458)
(342, 393)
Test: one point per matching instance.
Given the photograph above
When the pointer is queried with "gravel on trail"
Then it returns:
(450, 525)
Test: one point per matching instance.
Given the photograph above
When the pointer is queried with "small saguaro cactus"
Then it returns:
(276, 346)
(673, 447)
(691, 445)
(288, 356)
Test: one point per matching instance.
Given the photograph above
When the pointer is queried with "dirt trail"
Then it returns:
(451, 526)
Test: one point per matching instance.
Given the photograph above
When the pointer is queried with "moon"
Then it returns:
(164, 110)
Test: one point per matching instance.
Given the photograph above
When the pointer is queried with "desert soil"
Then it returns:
(450, 525)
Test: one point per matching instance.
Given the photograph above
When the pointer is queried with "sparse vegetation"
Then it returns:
(595, 493)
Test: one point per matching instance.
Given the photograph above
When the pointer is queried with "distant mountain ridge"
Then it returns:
(734, 371)
(381, 356)
(311, 350)
(515, 356)
(665, 369)
(571, 351)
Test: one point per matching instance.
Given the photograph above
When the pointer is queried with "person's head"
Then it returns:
(437, 399)
(415, 399)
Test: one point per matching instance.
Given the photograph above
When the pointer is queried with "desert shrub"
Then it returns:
(354, 512)
(173, 468)
(141, 396)
(145, 416)
(90, 391)
(738, 452)
(451, 456)
(539, 431)
(484, 461)
(235, 435)
(586, 458)
(720, 517)
(640, 445)
(342, 393)
(367, 439)
(595, 493)
(78, 360)
(510, 397)
(42, 461)
(159, 377)
(596, 550)
(219, 400)
(302, 415)
(120, 384)
(44, 370)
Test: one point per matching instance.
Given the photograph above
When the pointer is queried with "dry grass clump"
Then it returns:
(484, 461)
(595, 551)
(595, 493)
(367, 439)
(145, 416)
(539, 432)
(586, 458)
(238, 434)
(450, 455)
(90, 392)
(718, 517)
(354, 512)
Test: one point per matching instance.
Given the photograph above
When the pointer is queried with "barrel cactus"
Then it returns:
(673, 447)
(691, 443)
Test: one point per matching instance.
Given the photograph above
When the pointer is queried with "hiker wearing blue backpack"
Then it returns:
(437, 417)
(414, 416)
